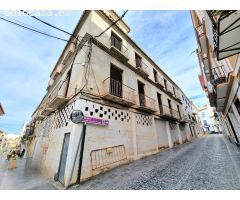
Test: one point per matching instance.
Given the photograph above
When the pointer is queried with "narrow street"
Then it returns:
(210, 162)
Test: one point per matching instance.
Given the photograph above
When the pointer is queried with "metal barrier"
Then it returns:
(103, 157)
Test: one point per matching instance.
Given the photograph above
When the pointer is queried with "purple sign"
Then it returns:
(92, 120)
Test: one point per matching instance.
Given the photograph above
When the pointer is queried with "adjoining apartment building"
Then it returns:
(209, 119)
(131, 107)
(217, 34)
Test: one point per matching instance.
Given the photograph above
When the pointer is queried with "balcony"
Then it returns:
(146, 104)
(177, 95)
(159, 81)
(118, 92)
(169, 89)
(226, 31)
(46, 111)
(40, 116)
(219, 75)
(168, 113)
(184, 118)
(69, 53)
(141, 68)
(118, 49)
(58, 95)
(56, 72)
(202, 39)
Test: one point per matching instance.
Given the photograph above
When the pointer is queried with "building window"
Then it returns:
(138, 60)
(141, 93)
(115, 81)
(174, 92)
(159, 97)
(165, 83)
(155, 75)
(116, 41)
(179, 111)
(169, 104)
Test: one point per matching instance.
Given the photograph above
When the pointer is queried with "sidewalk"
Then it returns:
(23, 177)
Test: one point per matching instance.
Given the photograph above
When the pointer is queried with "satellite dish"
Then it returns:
(77, 116)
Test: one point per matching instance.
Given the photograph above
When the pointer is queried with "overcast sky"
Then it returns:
(27, 58)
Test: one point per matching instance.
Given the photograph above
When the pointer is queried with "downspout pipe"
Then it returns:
(80, 142)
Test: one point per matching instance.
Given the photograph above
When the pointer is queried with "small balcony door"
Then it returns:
(155, 75)
(165, 83)
(179, 113)
(141, 93)
(160, 103)
(115, 81)
(116, 41)
(170, 106)
(138, 60)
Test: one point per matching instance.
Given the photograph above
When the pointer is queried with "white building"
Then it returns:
(131, 107)
(208, 121)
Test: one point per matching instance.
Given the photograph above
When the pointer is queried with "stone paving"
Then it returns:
(210, 162)
(23, 177)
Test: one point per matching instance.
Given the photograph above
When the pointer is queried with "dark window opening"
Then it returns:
(115, 81)
(138, 60)
(170, 106)
(159, 102)
(155, 75)
(174, 92)
(141, 93)
(169, 103)
(179, 111)
(116, 41)
(165, 83)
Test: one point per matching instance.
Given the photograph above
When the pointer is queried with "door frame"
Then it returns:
(61, 156)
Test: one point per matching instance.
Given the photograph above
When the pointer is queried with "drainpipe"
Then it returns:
(80, 142)
(81, 153)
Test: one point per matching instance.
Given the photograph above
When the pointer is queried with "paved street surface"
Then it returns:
(211, 162)
(23, 177)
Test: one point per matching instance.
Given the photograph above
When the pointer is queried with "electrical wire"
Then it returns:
(33, 29)
(53, 26)
(25, 12)
(113, 24)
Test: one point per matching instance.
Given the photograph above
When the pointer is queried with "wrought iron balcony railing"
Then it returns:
(218, 75)
(225, 28)
(116, 91)
(168, 112)
(177, 95)
(58, 96)
(159, 81)
(184, 118)
(147, 103)
(141, 67)
(169, 89)
(117, 44)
